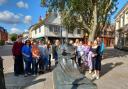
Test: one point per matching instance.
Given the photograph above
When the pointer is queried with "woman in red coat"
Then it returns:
(17, 55)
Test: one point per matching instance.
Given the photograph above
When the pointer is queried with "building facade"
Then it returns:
(53, 29)
(25, 35)
(121, 32)
(108, 35)
(3, 34)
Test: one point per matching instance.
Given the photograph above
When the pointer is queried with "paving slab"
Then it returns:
(114, 73)
(43, 81)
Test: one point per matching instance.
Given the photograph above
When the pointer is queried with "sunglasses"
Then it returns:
(27, 42)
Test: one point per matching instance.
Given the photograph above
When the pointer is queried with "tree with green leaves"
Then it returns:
(13, 37)
(90, 15)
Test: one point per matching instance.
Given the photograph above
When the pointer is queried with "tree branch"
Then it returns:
(85, 26)
(108, 5)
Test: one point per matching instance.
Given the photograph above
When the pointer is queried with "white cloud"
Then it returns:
(22, 4)
(2, 2)
(25, 30)
(16, 30)
(28, 19)
(9, 17)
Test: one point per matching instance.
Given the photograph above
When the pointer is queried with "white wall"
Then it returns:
(54, 21)
(117, 25)
(64, 33)
(45, 32)
(39, 34)
(121, 22)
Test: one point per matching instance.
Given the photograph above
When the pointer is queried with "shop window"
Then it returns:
(126, 40)
(56, 29)
(70, 31)
(105, 32)
(35, 31)
(39, 29)
(78, 31)
(51, 28)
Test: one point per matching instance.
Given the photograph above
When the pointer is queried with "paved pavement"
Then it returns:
(44, 81)
(114, 73)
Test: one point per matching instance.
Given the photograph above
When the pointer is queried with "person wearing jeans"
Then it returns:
(27, 56)
(36, 58)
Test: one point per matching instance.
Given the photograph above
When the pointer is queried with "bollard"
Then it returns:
(2, 80)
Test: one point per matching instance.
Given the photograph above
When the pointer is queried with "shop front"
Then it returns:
(122, 42)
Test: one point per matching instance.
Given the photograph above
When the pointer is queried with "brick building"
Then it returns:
(3, 34)
(108, 35)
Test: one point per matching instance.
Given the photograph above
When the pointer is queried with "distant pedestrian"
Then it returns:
(27, 56)
(18, 59)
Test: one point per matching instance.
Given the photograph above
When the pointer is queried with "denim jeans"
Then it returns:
(34, 66)
(27, 65)
(46, 62)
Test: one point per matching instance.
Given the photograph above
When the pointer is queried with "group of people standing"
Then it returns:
(90, 55)
(31, 57)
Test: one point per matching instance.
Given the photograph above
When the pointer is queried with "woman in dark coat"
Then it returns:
(99, 52)
(18, 59)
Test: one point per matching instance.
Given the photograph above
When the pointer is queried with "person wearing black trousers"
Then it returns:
(99, 52)
(49, 51)
(17, 56)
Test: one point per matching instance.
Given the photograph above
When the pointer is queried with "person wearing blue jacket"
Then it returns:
(101, 48)
(27, 56)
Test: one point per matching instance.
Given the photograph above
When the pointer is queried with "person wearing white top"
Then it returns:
(80, 52)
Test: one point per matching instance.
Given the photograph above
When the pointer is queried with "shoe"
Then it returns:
(97, 77)
(90, 71)
(34, 75)
(94, 75)
(56, 63)
(26, 75)
(17, 75)
(29, 73)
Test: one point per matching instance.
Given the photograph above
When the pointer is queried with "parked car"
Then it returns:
(9, 43)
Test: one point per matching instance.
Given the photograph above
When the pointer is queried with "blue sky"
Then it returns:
(18, 15)
(121, 3)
